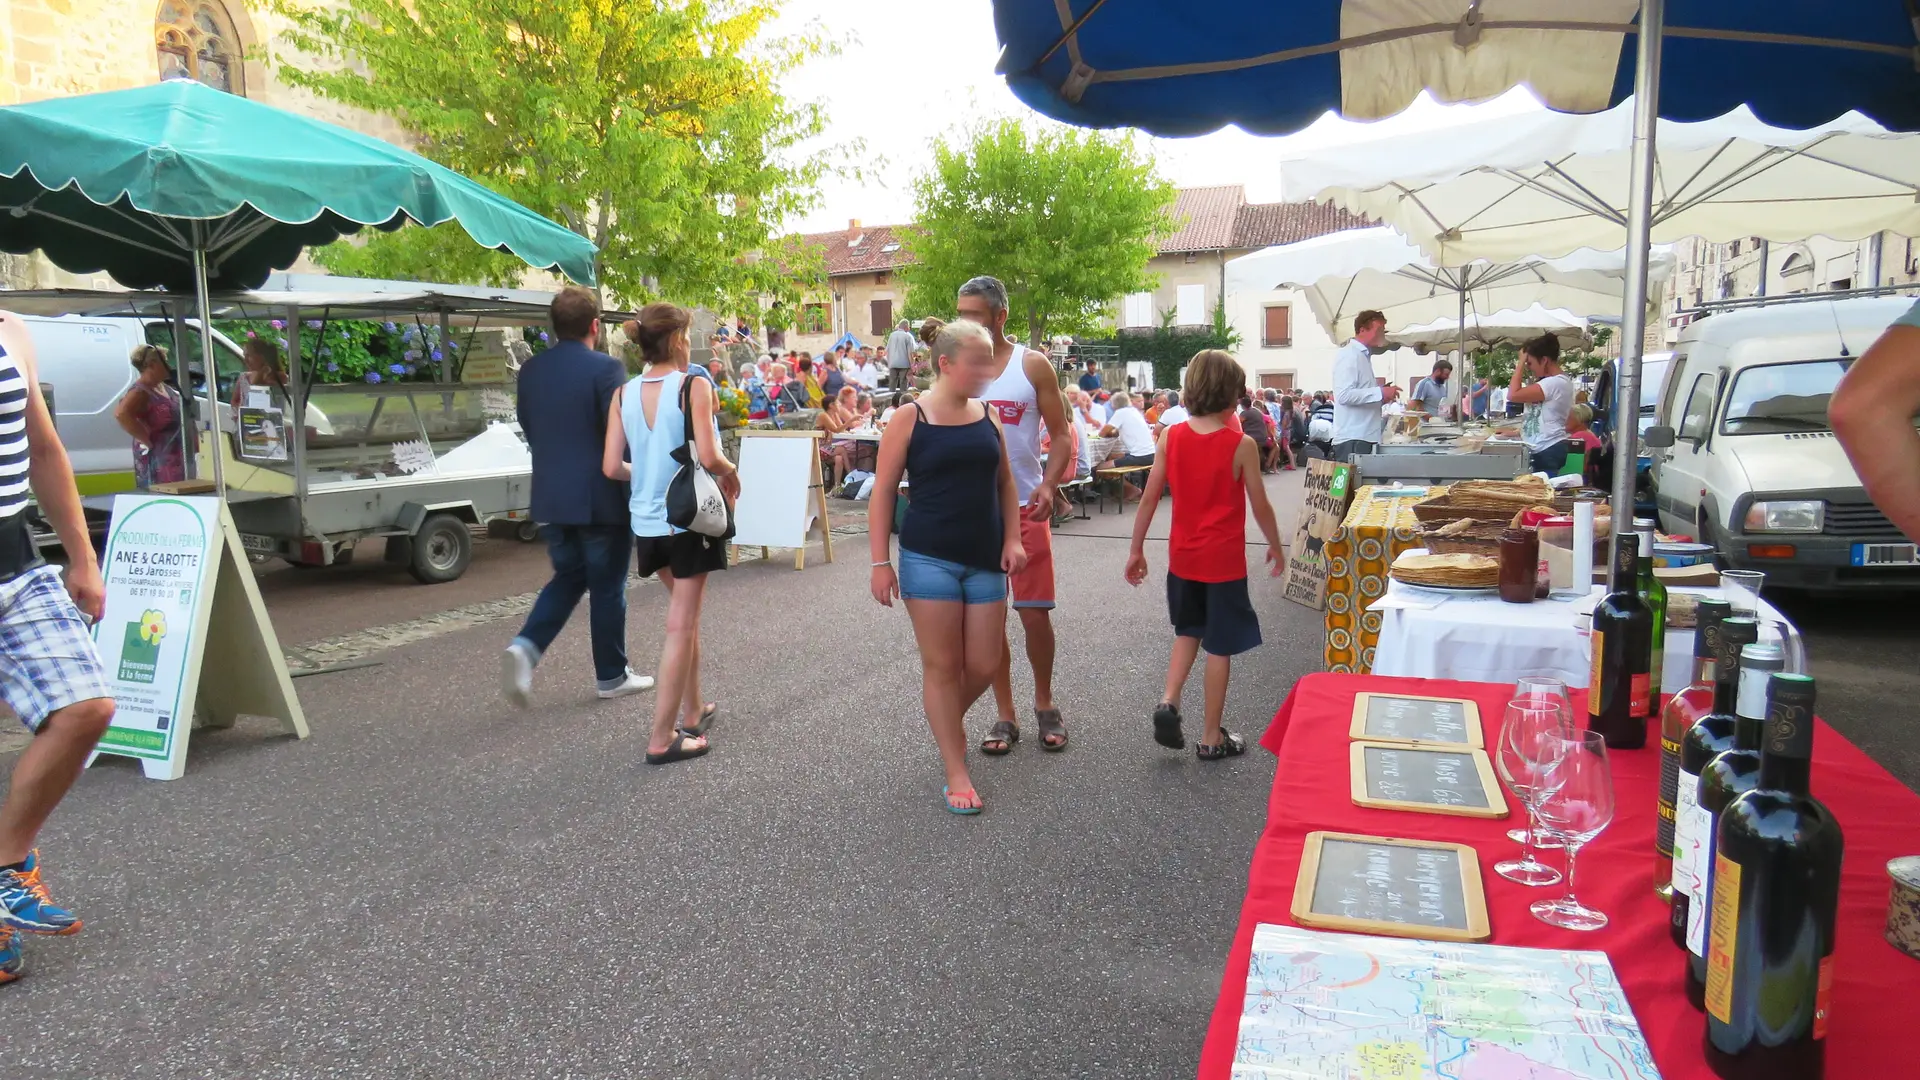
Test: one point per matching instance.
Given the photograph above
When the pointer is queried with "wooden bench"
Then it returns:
(1076, 493)
(1117, 476)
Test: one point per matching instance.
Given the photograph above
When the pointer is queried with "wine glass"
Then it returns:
(1540, 688)
(1532, 742)
(1578, 807)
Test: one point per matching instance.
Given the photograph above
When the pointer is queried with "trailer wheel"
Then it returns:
(441, 550)
(529, 531)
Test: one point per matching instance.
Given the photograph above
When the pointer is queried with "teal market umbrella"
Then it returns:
(183, 187)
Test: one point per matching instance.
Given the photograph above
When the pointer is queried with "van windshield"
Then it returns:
(1774, 399)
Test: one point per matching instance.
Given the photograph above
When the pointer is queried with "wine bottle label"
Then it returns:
(1686, 840)
(1699, 912)
(1669, 787)
(1594, 694)
(1639, 703)
(1726, 925)
(1823, 997)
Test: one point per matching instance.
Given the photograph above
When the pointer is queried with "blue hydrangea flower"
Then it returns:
(345, 334)
(325, 352)
(437, 355)
(544, 337)
(388, 327)
(333, 368)
(410, 333)
(373, 376)
(410, 354)
(313, 324)
(411, 369)
(282, 341)
(397, 369)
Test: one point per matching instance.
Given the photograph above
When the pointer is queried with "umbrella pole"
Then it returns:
(1633, 315)
(1466, 370)
(209, 366)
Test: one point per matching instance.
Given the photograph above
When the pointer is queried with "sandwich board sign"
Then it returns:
(178, 592)
(1321, 512)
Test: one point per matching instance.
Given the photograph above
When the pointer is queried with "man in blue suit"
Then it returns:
(565, 394)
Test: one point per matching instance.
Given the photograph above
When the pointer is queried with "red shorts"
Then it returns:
(1033, 586)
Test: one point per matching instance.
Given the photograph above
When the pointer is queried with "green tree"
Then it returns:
(1066, 218)
(654, 128)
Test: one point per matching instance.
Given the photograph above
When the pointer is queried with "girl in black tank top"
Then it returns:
(961, 536)
(954, 510)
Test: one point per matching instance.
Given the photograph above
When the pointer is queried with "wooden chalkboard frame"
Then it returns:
(1362, 702)
(1472, 891)
(1483, 766)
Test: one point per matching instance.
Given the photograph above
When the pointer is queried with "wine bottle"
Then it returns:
(1776, 889)
(1617, 695)
(1682, 710)
(1653, 593)
(1727, 777)
(1704, 741)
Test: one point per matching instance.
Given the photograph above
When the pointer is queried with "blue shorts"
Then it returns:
(923, 577)
(1219, 613)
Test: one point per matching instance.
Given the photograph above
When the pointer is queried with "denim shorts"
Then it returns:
(923, 577)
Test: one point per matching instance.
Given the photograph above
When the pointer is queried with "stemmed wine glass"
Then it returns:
(1540, 689)
(1578, 808)
(1532, 742)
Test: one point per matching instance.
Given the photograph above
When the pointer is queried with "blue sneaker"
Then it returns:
(12, 960)
(25, 905)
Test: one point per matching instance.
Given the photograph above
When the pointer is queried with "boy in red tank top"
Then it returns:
(1215, 470)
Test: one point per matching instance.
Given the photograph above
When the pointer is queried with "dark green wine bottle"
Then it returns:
(1709, 736)
(1776, 890)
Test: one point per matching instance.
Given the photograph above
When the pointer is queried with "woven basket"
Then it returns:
(1440, 509)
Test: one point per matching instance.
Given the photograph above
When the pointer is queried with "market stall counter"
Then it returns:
(1875, 985)
(1376, 530)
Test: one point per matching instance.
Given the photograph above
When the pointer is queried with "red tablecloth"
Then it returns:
(1876, 987)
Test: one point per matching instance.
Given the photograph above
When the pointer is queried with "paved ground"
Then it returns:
(436, 885)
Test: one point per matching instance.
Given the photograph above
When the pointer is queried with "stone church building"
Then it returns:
(52, 48)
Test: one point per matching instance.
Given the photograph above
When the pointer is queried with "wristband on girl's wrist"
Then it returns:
(883, 562)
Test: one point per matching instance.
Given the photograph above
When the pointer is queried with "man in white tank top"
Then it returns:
(1026, 394)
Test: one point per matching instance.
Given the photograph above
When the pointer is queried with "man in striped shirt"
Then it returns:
(50, 675)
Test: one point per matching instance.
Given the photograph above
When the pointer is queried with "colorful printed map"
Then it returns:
(1328, 1006)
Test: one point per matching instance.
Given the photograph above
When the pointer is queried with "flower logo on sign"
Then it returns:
(153, 626)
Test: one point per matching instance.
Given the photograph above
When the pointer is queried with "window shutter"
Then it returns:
(1279, 328)
(882, 316)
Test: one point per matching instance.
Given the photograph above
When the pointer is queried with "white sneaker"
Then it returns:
(635, 683)
(516, 675)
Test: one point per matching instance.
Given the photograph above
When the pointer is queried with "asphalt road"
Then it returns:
(437, 885)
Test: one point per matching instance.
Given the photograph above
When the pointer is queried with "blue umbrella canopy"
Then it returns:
(133, 182)
(1273, 68)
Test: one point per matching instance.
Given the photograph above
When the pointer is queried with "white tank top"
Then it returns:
(1019, 408)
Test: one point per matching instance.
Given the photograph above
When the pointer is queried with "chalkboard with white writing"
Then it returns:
(1402, 888)
(1427, 779)
(1408, 718)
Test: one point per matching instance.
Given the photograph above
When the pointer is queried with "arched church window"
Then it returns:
(195, 39)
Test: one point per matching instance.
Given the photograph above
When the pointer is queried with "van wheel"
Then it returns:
(441, 550)
(529, 531)
(1704, 530)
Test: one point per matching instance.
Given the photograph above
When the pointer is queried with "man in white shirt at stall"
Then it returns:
(1136, 437)
(865, 372)
(1358, 397)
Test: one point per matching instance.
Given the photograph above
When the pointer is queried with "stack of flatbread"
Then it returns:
(1447, 571)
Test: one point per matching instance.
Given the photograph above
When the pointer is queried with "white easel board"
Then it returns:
(782, 497)
(177, 583)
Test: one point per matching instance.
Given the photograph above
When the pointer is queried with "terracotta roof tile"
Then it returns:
(1261, 225)
(1203, 218)
(859, 251)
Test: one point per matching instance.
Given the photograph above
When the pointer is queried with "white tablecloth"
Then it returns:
(1482, 638)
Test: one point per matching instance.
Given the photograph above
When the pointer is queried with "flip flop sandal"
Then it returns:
(679, 751)
(1231, 745)
(1004, 732)
(964, 811)
(706, 720)
(1052, 728)
(1166, 727)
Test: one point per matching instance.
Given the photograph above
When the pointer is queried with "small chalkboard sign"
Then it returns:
(1401, 888)
(1426, 779)
(1408, 718)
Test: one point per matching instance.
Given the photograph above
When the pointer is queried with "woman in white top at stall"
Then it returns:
(1548, 400)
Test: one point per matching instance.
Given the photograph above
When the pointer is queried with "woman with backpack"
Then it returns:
(656, 414)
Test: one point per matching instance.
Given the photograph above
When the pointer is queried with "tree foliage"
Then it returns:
(1496, 364)
(654, 128)
(1066, 218)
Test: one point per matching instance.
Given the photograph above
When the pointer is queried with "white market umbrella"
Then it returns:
(1500, 328)
(1550, 183)
(1342, 274)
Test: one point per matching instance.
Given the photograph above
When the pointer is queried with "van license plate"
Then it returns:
(1886, 555)
(265, 545)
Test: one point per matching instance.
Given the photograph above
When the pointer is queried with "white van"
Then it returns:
(86, 363)
(1743, 455)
